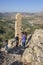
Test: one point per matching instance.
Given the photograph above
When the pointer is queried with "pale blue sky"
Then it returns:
(21, 5)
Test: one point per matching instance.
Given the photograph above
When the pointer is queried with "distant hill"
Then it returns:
(1, 14)
(14, 13)
(39, 13)
(23, 13)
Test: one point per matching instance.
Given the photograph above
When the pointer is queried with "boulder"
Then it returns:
(34, 53)
(11, 43)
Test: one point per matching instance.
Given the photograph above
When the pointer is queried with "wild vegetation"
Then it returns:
(6, 30)
(30, 28)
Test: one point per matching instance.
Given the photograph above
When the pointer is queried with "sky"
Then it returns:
(21, 5)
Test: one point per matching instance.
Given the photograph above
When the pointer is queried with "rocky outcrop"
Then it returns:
(18, 25)
(33, 55)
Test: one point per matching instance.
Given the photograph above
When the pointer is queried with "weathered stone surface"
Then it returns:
(34, 53)
(11, 43)
(18, 24)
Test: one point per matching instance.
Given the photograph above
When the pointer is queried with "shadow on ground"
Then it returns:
(20, 49)
(17, 50)
(17, 63)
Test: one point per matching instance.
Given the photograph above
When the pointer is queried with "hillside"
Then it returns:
(6, 29)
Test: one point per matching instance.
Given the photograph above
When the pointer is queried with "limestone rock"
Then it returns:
(34, 53)
(11, 43)
(18, 24)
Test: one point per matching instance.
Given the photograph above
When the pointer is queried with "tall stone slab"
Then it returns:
(18, 24)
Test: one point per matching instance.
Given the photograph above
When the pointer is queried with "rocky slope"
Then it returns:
(33, 55)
